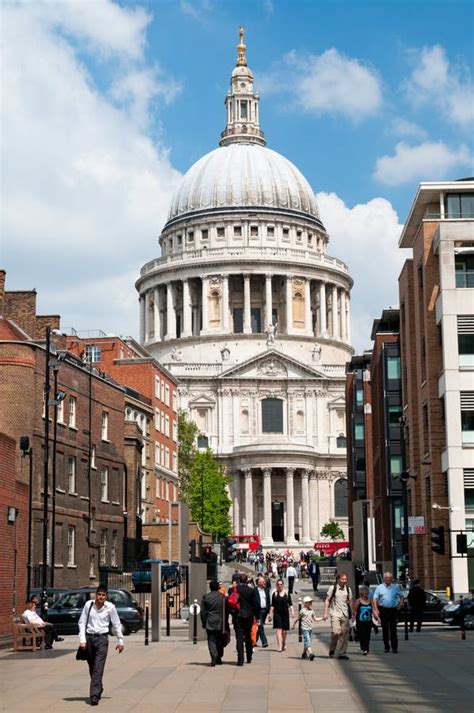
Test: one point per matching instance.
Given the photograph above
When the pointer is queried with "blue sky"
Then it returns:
(107, 103)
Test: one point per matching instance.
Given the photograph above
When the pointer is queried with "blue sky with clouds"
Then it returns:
(107, 103)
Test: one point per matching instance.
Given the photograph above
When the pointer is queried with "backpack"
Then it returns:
(233, 599)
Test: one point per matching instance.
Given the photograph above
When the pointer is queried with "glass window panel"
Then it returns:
(238, 320)
(467, 205)
(393, 367)
(359, 397)
(453, 205)
(272, 416)
(395, 465)
(359, 431)
(340, 498)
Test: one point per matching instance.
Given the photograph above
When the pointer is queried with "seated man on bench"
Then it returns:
(30, 616)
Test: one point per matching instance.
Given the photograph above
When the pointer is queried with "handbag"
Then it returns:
(225, 630)
(81, 653)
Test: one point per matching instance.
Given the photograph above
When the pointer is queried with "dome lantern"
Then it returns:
(243, 122)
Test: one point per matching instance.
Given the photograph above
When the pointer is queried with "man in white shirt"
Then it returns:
(291, 574)
(94, 625)
(30, 616)
(263, 592)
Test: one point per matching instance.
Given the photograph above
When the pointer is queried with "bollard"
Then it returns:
(405, 607)
(147, 615)
(168, 614)
(461, 618)
(300, 630)
(195, 609)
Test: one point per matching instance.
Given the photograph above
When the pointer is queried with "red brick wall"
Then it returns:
(13, 537)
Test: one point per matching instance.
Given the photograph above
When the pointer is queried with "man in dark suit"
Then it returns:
(315, 574)
(214, 618)
(417, 601)
(263, 594)
(248, 610)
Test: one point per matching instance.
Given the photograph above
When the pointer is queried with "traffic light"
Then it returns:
(461, 544)
(437, 540)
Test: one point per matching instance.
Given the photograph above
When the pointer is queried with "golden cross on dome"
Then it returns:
(241, 47)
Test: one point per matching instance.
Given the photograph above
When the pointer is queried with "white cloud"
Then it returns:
(402, 127)
(366, 237)
(428, 161)
(197, 9)
(136, 89)
(330, 83)
(436, 81)
(85, 190)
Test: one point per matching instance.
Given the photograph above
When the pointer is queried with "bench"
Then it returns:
(27, 637)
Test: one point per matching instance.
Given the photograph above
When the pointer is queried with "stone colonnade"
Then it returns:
(206, 305)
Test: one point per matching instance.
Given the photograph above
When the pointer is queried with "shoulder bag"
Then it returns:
(81, 653)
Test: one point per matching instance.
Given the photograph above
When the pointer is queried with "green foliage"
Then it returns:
(208, 498)
(187, 451)
(332, 530)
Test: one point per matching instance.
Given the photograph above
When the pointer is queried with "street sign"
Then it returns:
(416, 525)
(195, 609)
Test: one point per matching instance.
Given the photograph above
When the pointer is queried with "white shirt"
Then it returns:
(263, 597)
(290, 571)
(99, 621)
(31, 617)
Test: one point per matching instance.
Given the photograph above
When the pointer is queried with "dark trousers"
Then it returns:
(261, 626)
(389, 618)
(49, 636)
(364, 629)
(418, 617)
(315, 579)
(243, 635)
(291, 584)
(215, 644)
(97, 648)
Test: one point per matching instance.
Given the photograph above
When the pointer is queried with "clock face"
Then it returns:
(242, 85)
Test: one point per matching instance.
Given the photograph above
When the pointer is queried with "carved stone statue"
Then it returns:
(176, 354)
(271, 331)
(316, 353)
(225, 353)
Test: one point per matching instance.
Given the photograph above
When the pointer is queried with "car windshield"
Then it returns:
(120, 599)
(72, 600)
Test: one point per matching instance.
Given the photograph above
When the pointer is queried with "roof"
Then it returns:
(10, 331)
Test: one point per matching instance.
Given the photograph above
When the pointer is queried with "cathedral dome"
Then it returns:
(243, 175)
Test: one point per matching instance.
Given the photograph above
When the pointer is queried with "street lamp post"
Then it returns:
(27, 450)
(58, 397)
(47, 387)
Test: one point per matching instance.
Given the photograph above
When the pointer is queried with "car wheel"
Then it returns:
(469, 621)
(125, 629)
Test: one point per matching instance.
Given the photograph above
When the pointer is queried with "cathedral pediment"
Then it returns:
(272, 364)
(203, 399)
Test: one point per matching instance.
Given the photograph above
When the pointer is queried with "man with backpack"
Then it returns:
(244, 607)
(338, 604)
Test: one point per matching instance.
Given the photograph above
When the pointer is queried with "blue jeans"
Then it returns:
(261, 628)
(307, 638)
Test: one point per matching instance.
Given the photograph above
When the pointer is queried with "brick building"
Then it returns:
(86, 444)
(151, 402)
(437, 343)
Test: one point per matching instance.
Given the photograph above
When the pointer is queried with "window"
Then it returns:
(105, 426)
(254, 231)
(243, 110)
(179, 240)
(238, 315)
(175, 431)
(459, 205)
(157, 419)
(190, 237)
(244, 421)
(72, 412)
(157, 387)
(92, 566)
(93, 353)
(204, 234)
(341, 441)
(103, 548)
(167, 426)
(167, 458)
(299, 235)
(359, 394)
(359, 431)
(286, 233)
(71, 474)
(394, 415)
(162, 454)
(202, 441)
(466, 341)
(60, 411)
(220, 232)
(393, 367)
(464, 267)
(104, 484)
(162, 390)
(299, 421)
(113, 549)
(175, 400)
(340, 498)
(272, 416)
(270, 231)
(175, 462)
(467, 417)
(395, 465)
(162, 420)
(157, 453)
(237, 231)
(256, 320)
(93, 465)
(167, 395)
(71, 546)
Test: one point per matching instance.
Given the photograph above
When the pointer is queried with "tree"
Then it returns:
(208, 498)
(332, 530)
(187, 451)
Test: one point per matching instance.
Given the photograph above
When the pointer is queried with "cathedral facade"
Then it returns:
(246, 308)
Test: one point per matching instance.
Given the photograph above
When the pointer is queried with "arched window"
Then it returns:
(245, 421)
(340, 498)
(215, 307)
(272, 416)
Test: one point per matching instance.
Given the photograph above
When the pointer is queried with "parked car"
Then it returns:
(433, 607)
(53, 593)
(170, 575)
(451, 613)
(65, 613)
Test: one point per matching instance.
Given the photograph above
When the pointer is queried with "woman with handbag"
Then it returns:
(280, 611)
(215, 619)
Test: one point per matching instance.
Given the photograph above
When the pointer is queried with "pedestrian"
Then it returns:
(387, 601)
(280, 611)
(274, 568)
(291, 576)
(215, 620)
(307, 618)
(315, 574)
(362, 616)
(263, 592)
(236, 576)
(243, 615)
(94, 623)
(417, 601)
(30, 616)
(338, 604)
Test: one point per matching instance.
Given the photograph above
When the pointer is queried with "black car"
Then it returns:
(53, 594)
(433, 607)
(451, 613)
(65, 613)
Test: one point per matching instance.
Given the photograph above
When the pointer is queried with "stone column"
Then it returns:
(170, 313)
(313, 507)
(322, 310)
(305, 505)
(147, 315)
(156, 315)
(142, 319)
(335, 330)
(343, 316)
(248, 501)
(225, 303)
(268, 302)
(308, 327)
(267, 506)
(205, 305)
(348, 318)
(236, 498)
(187, 323)
(247, 317)
(289, 305)
(290, 507)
